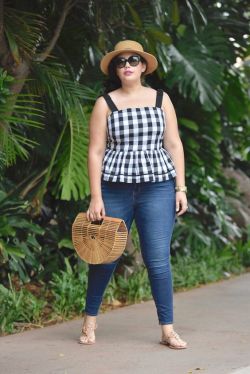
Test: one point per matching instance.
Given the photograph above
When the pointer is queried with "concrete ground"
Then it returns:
(214, 319)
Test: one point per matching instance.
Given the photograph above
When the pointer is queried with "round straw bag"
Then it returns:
(100, 241)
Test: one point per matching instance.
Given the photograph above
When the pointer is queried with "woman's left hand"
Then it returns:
(181, 202)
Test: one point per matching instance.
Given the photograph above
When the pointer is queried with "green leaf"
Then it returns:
(235, 101)
(192, 4)
(5, 228)
(24, 30)
(72, 163)
(197, 74)
(68, 165)
(23, 223)
(135, 16)
(181, 29)
(189, 124)
(65, 243)
(193, 144)
(158, 35)
(175, 13)
(13, 47)
(11, 250)
(200, 11)
(17, 112)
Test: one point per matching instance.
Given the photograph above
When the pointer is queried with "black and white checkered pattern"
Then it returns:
(135, 150)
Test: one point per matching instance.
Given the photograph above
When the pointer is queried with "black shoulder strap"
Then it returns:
(159, 97)
(110, 102)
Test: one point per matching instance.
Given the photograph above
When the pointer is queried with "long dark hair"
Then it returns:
(113, 82)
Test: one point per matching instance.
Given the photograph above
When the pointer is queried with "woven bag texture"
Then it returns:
(99, 242)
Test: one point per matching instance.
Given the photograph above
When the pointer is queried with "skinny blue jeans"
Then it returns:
(152, 205)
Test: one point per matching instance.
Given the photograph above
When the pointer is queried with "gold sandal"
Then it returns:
(88, 334)
(173, 341)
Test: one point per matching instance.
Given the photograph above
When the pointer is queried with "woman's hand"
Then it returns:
(96, 210)
(181, 202)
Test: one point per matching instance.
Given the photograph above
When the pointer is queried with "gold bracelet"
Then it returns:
(181, 188)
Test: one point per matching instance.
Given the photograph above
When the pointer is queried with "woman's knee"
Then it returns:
(159, 268)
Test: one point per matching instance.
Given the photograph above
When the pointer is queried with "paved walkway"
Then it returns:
(214, 319)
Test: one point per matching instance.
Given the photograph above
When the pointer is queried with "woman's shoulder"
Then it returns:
(166, 97)
(167, 102)
(101, 105)
(100, 101)
(154, 91)
(165, 94)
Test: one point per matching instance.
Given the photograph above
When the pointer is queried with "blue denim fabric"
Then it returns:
(152, 205)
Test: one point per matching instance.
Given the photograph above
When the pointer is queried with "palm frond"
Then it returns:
(135, 16)
(69, 162)
(194, 6)
(17, 112)
(200, 10)
(14, 144)
(52, 79)
(71, 167)
(24, 31)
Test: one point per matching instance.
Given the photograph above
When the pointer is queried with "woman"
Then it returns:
(133, 132)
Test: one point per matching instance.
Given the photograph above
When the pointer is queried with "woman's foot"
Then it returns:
(88, 333)
(172, 340)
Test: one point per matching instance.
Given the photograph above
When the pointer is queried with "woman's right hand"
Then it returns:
(96, 211)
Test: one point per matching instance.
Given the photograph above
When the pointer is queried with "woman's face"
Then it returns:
(129, 72)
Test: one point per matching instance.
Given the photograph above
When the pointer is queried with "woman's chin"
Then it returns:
(129, 78)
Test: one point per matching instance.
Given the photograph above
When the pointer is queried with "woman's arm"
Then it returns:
(97, 146)
(173, 144)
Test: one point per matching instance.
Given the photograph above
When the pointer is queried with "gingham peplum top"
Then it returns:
(134, 151)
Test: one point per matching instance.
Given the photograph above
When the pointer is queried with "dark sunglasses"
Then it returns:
(134, 60)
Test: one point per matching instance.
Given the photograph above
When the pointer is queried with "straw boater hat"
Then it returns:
(129, 46)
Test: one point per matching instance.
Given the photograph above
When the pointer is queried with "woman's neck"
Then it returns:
(131, 88)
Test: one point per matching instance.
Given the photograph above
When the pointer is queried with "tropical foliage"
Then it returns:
(64, 296)
(49, 81)
(20, 249)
